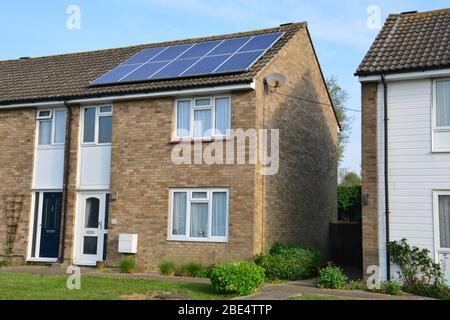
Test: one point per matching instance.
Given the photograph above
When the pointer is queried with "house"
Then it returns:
(89, 166)
(405, 80)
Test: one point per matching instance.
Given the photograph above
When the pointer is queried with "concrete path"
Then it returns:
(306, 287)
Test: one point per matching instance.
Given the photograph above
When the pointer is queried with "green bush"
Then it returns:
(127, 265)
(167, 268)
(202, 273)
(4, 263)
(436, 291)
(242, 278)
(331, 277)
(349, 203)
(285, 262)
(391, 287)
(356, 285)
(416, 265)
(190, 268)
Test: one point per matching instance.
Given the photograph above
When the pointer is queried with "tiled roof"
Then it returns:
(410, 42)
(67, 76)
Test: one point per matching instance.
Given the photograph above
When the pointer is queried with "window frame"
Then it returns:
(437, 232)
(193, 108)
(98, 115)
(189, 201)
(51, 118)
(435, 128)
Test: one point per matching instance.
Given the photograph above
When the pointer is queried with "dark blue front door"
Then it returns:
(50, 227)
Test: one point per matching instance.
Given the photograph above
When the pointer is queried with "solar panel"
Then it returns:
(187, 60)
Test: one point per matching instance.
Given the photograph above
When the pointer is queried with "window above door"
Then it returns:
(97, 125)
(441, 116)
(51, 126)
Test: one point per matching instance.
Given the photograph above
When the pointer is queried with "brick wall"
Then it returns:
(370, 175)
(17, 132)
(300, 201)
(142, 174)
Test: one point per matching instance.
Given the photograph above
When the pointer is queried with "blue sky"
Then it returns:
(339, 30)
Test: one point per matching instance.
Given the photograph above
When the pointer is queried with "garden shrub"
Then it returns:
(167, 268)
(287, 262)
(390, 287)
(127, 265)
(349, 203)
(356, 285)
(436, 291)
(416, 265)
(190, 268)
(202, 273)
(331, 277)
(241, 278)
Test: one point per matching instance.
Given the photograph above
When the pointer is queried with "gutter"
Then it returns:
(66, 180)
(156, 94)
(386, 175)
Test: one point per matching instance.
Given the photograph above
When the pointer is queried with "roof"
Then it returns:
(67, 76)
(414, 41)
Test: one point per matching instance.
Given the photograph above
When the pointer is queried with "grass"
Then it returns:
(311, 297)
(35, 287)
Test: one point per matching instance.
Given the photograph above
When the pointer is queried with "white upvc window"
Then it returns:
(97, 125)
(442, 220)
(441, 115)
(202, 117)
(199, 215)
(51, 126)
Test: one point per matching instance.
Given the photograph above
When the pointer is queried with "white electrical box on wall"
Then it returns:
(128, 243)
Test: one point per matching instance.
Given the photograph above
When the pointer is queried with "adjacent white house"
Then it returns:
(405, 80)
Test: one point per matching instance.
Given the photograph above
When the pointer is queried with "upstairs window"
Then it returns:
(202, 118)
(51, 127)
(97, 125)
(443, 104)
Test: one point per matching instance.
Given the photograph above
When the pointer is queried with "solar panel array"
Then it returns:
(188, 60)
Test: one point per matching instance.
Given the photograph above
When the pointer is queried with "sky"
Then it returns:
(342, 30)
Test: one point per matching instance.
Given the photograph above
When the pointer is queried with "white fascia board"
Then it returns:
(156, 94)
(408, 75)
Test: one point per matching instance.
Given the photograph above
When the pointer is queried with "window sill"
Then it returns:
(199, 140)
(200, 240)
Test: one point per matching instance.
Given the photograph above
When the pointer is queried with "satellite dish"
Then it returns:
(275, 80)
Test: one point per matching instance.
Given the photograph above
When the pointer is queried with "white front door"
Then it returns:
(91, 228)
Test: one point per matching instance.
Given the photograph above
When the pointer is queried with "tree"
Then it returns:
(340, 99)
(351, 178)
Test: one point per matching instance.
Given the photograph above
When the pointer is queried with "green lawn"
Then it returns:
(34, 287)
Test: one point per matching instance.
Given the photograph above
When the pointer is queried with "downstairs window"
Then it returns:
(199, 215)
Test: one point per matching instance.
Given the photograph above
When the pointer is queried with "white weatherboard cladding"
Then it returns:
(414, 170)
(95, 167)
(48, 168)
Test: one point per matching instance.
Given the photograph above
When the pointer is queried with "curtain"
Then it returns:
(202, 124)
(444, 220)
(443, 103)
(199, 220)
(183, 118)
(223, 116)
(45, 132)
(60, 126)
(89, 125)
(219, 214)
(179, 213)
(105, 129)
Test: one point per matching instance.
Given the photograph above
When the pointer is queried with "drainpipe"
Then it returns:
(66, 179)
(386, 174)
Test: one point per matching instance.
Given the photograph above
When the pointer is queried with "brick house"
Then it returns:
(85, 161)
(406, 172)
